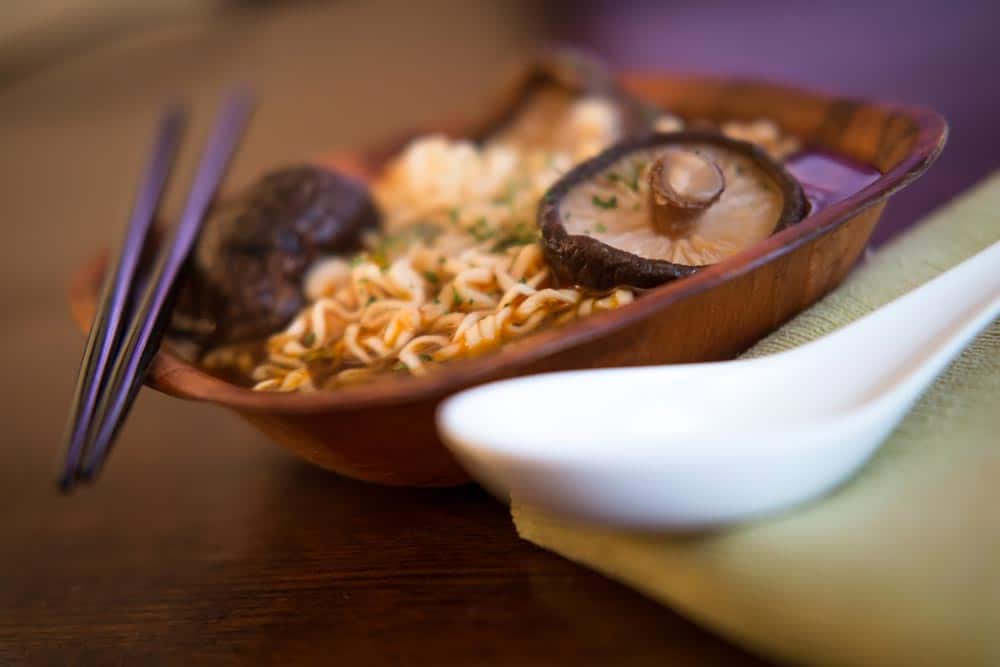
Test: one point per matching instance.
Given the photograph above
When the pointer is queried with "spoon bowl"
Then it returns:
(697, 445)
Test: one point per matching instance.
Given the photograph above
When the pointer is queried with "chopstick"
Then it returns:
(148, 323)
(105, 332)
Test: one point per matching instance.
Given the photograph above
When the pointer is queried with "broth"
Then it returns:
(828, 179)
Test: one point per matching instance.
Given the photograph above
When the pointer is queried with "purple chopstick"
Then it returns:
(149, 322)
(106, 329)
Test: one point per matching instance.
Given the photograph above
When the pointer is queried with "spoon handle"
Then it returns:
(913, 338)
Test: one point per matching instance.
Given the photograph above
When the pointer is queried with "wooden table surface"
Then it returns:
(204, 543)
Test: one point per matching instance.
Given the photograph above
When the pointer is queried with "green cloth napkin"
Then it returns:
(901, 565)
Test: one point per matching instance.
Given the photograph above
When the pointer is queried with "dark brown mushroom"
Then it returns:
(535, 103)
(245, 279)
(661, 207)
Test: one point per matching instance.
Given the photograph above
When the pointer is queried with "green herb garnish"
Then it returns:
(399, 366)
(426, 357)
(507, 197)
(309, 339)
(319, 354)
(600, 228)
(610, 202)
(432, 277)
(389, 246)
(371, 300)
(521, 234)
(481, 230)
(456, 300)
(633, 179)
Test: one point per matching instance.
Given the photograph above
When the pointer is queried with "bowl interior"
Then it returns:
(900, 141)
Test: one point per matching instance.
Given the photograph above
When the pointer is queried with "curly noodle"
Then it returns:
(456, 272)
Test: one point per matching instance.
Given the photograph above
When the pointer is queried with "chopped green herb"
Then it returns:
(424, 231)
(600, 228)
(432, 277)
(357, 260)
(453, 216)
(520, 234)
(399, 366)
(507, 197)
(456, 300)
(426, 357)
(390, 245)
(318, 355)
(481, 230)
(633, 178)
(371, 300)
(309, 339)
(610, 202)
(442, 260)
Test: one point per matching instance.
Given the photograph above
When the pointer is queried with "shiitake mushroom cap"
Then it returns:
(584, 260)
(244, 280)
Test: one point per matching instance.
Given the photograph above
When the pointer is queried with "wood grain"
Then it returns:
(261, 559)
(384, 431)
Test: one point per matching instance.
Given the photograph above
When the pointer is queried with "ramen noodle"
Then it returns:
(456, 271)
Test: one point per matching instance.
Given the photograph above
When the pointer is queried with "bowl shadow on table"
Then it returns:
(393, 572)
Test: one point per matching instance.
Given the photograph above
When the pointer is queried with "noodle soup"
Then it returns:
(456, 271)
(458, 265)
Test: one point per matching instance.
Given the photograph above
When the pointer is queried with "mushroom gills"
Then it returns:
(655, 208)
(619, 207)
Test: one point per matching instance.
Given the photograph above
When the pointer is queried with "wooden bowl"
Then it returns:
(384, 431)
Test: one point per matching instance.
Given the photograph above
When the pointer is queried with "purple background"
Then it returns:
(945, 55)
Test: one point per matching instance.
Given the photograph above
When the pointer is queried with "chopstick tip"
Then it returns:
(65, 484)
(88, 472)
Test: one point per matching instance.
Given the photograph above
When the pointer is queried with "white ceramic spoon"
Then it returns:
(698, 445)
